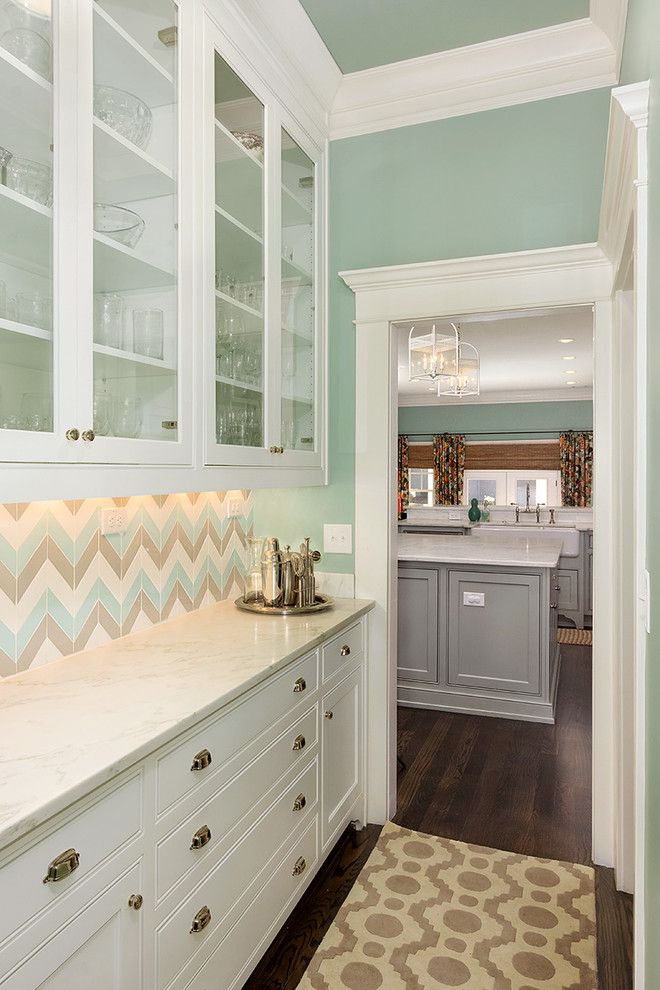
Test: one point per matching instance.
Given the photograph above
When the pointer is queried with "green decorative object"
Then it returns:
(485, 514)
(474, 515)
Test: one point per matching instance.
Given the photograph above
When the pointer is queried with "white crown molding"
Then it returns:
(610, 16)
(498, 398)
(625, 166)
(534, 65)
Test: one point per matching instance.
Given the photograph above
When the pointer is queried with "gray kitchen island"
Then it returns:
(477, 625)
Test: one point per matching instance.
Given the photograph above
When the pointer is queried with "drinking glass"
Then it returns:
(109, 319)
(148, 332)
(34, 310)
(31, 179)
(30, 48)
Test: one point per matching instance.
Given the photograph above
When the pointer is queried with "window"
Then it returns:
(507, 487)
(485, 484)
(421, 486)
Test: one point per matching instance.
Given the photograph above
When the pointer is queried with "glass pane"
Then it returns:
(26, 216)
(421, 486)
(135, 104)
(239, 260)
(482, 489)
(297, 297)
(538, 491)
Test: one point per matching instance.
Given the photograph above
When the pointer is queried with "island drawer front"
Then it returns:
(227, 735)
(343, 649)
(238, 953)
(92, 835)
(174, 855)
(234, 881)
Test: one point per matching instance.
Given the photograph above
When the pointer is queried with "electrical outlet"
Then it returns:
(477, 598)
(337, 538)
(234, 504)
(113, 521)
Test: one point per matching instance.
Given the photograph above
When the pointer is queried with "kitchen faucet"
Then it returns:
(528, 508)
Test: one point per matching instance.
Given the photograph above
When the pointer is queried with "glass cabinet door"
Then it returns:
(135, 98)
(27, 369)
(239, 166)
(298, 309)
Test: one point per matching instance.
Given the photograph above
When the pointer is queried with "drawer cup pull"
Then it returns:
(554, 605)
(298, 743)
(345, 651)
(202, 760)
(300, 685)
(299, 803)
(300, 866)
(557, 587)
(62, 866)
(201, 920)
(328, 715)
(135, 901)
(201, 837)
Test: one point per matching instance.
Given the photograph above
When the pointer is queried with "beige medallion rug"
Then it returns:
(427, 913)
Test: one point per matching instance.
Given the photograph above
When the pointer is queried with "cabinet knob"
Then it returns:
(299, 803)
(557, 587)
(135, 901)
(73, 434)
(62, 866)
(300, 867)
(345, 651)
(299, 685)
(201, 920)
(277, 450)
(201, 837)
(202, 760)
(328, 715)
(299, 743)
(88, 435)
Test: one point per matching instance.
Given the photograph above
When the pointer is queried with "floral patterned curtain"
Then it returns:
(448, 468)
(404, 477)
(576, 456)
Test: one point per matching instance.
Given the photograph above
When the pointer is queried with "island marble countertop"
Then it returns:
(510, 551)
(434, 524)
(69, 726)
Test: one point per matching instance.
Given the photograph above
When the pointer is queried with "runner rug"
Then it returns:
(427, 913)
(574, 637)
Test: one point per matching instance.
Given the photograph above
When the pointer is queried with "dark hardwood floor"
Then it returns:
(495, 782)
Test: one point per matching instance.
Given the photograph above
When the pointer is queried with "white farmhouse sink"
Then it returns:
(569, 536)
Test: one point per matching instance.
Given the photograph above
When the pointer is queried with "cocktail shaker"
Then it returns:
(272, 572)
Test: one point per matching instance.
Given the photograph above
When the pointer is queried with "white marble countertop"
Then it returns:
(69, 726)
(509, 551)
(433, 524)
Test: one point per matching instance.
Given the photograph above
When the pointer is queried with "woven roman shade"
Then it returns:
(420, 455)
(512, 456)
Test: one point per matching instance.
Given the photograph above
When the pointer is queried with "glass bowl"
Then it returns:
(30, 48)
(119, 223)
(124, 113)
(31, 179)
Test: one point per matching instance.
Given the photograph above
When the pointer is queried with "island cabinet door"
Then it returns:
(494, 631)
(417, 651)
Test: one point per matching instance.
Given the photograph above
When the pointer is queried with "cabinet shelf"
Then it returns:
(294, 211)
(297, 400)
(292, 273)
(233, 383)
(142, 366)
(26, 106)
(229, 148)
(123, 172)
(239, 305)
(117, 56)
(25, 346)
(118, 268)
(237, 248)
(28, 228)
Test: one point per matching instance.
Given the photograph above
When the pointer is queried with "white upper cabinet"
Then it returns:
(263, 187)
(160, 299)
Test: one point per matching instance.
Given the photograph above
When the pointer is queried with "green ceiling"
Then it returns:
(363, 33)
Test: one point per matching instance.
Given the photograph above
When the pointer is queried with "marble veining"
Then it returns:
(509, 551)
(70, 726)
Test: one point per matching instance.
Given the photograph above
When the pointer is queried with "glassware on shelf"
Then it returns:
(148, 332)
(254, 143)
(109, 319)
(252, 590)
(128, 422)
(35, 414)
(118, 223)
(30, 48)
(5, 157)
(32, 14)
(31, 179)
(124, 113)
(34, 310)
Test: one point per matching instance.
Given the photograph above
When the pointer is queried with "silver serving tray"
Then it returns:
(322, 603)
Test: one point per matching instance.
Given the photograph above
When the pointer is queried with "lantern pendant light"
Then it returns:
(466, 378)
(450, 363)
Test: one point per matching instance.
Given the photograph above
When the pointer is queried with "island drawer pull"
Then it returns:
(298, 743)
(299, 685)
(554, 605)
(300, 867)
(201, 920)
(329, 715)
(201, 760)
(299, 803)
(62, 866)
(345, 651)
(201, 837)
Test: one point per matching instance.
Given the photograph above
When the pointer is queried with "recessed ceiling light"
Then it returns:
(569, 372)
(567, 340)
(568, 357)
(570, 383)
(431, 388)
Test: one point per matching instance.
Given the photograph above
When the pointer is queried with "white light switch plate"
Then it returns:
(234, 505)
(337, 538)
(113, 521)
(477, 598)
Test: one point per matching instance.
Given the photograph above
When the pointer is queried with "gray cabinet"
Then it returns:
(574, 578)
(568, 588)
(494, 638)
(589, 573)
(418, 624)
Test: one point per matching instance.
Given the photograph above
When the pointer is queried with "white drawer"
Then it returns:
(230, 733)
(174, 855)
(343, 649)
(237, 954)
(93, 835)
(234, 881)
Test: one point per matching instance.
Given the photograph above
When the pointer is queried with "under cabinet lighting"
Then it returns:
(568, 357)
(567, 340)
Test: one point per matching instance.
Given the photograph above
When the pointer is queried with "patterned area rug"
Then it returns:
(575, 637)
(427, 913)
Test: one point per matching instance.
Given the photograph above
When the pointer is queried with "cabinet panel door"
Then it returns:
(417, 636)
(568, 596)
(496, 642)
(341, 744)
(99, 948)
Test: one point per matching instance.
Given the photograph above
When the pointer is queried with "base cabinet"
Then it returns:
(342, 752)
(417, 633)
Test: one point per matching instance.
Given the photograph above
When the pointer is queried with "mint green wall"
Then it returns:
(641, 60)
(500, 418)
(374, 32)
(506, 180)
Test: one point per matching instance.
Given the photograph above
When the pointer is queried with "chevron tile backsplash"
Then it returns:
(64, 587)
